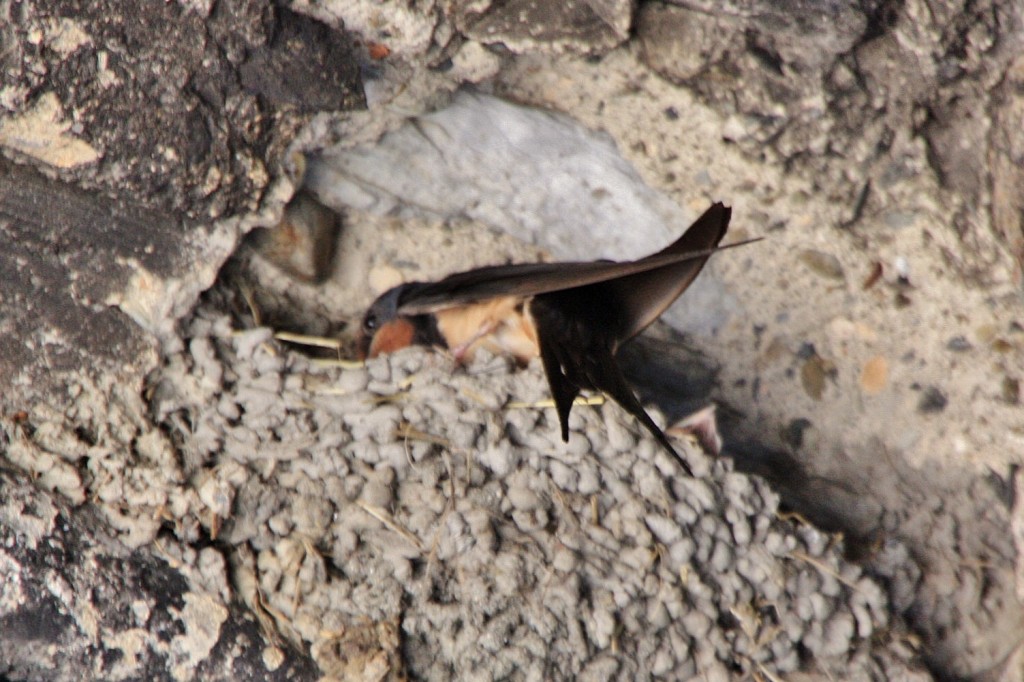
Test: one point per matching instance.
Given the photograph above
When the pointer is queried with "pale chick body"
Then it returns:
(501, 325)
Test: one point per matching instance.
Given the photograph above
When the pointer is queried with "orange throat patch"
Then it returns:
(394, 335)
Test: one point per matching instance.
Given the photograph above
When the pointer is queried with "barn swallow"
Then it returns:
(575, 316)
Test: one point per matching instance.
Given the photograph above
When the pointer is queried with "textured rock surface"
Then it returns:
(158, 121)
(76, 603)
(864, 96)
(132, 127)
(877, 380)
(57, 235)
(184, 107)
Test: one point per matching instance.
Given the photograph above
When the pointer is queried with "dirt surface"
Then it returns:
(866, 359)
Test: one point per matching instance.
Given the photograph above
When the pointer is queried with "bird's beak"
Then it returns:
(363, 345)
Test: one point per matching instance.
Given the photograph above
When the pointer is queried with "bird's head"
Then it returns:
(385, 330)
(382, 329)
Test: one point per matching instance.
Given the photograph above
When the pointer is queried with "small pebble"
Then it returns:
(352, 380)
(959, 344)
(823, 264)
(874, 375)
(932, 401)
(666, 530)
(246, 342)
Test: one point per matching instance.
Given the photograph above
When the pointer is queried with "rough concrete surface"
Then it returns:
(404, 519)
(160, 121)
(74, 598)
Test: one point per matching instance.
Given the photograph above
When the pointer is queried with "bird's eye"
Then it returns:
(370, 322)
